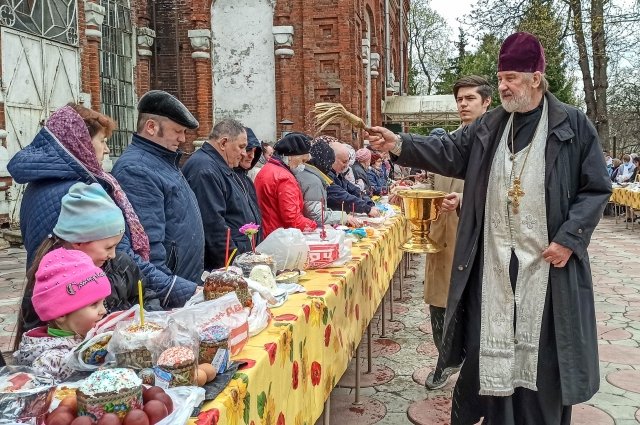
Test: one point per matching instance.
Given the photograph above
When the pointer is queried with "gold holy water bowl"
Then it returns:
(421, 207)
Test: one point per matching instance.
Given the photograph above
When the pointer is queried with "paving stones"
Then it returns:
(430, 411)
(619, 354)
(626, 379)
(379, 375)
(343, 411)
(584, 414)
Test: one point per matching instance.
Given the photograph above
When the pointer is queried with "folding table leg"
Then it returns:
(401, 274)
(383, 334)
(391, 299)
(369, 361)
(357, 401)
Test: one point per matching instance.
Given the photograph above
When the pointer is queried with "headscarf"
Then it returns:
(363, 155)
(71, 131)
(322, 155)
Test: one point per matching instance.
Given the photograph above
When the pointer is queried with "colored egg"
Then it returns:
(60, 417)
(84, 420)
(164, 398)
(156, 411)
(136, 417)
(110, 419)
(150, 393)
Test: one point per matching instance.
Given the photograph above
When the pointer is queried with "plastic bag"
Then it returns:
(132, 346)
(173, 347)
(288, 247)
(334, 250)
(225, 311)
(260, 316)
(92, 353)
(185, 399)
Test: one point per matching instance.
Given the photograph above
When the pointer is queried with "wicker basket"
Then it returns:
(119, 403)
(139, 358)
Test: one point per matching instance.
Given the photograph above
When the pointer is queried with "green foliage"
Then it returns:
(483, 62)
(540, 20)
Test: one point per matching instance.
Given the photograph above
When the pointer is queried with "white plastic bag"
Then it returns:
(185, 399)
(260, 317)
(288, 248)
(226, 311)
(333, 251)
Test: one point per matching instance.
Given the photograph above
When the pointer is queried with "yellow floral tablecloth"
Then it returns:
(627, 197)
(294, 364)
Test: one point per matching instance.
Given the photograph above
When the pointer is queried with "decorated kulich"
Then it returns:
(249, 260)
(135, 338)
(109, 391)
(221, 282)
(181, 363)
(211, 339)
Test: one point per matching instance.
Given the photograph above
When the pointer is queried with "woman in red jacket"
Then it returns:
(279, 195)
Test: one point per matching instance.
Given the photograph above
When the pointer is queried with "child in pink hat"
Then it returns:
(68, 295)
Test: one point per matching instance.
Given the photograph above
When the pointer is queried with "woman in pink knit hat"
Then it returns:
(68, 296)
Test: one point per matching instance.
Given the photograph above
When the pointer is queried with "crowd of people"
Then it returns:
(624, 169)
(504, 294)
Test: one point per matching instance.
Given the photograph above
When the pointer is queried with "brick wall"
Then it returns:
(327, 65)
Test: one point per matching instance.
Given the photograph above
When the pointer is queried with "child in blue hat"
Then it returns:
(90, 222)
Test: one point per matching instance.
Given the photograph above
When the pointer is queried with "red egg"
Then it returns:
(83, 420)
(60, 417)
(156, 411)
(109, 419)
(151, 392)
(166, 400)
(136, 417)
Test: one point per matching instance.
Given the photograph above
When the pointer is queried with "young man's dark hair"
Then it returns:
(484, 88)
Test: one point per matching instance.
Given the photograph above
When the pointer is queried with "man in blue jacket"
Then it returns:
(166, 206)
(223, 199)
(341, 194)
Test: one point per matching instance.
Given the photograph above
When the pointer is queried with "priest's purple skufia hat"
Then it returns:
(521, 52)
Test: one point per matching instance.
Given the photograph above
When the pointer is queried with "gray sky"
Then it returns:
(450, 10)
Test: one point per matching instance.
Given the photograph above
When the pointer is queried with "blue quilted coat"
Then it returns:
(50, 171)
(169, 213)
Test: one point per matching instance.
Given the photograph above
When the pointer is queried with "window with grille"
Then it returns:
(51, 19)
(116, 72)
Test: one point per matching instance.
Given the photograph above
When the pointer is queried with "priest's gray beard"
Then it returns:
(517, 103)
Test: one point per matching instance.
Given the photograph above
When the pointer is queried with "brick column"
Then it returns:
(201, 44)
(94, 15)
(145, 38)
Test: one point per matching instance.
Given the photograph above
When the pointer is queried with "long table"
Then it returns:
(626, 197)
(295, 362)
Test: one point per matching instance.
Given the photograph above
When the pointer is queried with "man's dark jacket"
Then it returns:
(168, 211)
(224, 203)
(577, 188)
(343, 195)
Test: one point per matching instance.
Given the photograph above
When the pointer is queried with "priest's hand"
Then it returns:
(451, 202)
(380, 138)
(557, 255)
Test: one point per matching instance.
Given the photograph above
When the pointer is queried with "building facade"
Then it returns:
(264, 62)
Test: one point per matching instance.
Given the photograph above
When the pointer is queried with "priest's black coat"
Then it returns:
(577, 189)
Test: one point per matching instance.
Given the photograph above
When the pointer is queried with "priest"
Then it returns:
(520, 311)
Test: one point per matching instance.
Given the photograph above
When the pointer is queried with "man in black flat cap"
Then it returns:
(520, 309)
(149, 174)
